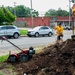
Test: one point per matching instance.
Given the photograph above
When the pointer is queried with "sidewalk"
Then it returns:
(25, 28)
(68, 32)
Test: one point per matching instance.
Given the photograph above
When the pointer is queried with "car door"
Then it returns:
(46, 30)
(9, 30)
(41, 30)
(2, 30)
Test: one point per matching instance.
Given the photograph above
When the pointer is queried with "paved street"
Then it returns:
(26, 42)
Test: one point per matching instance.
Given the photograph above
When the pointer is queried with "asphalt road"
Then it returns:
(26, 42)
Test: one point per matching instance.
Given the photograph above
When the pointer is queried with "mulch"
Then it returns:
(54, 60)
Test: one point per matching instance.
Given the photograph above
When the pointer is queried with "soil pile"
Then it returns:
(54, 60)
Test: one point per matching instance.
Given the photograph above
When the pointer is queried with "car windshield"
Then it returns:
(36, 28)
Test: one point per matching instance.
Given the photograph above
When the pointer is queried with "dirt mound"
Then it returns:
(54, 60)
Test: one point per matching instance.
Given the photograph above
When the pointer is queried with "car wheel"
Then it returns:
(24, 58)
(16, 35)
(49, 34)
(36, 34)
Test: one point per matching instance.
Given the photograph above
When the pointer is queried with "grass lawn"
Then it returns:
(8, 69)
(23, 32)
(3, 58)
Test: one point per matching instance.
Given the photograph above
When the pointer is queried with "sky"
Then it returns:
(41, 6)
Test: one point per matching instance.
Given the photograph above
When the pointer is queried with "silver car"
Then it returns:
(10, 31)
(40, 30)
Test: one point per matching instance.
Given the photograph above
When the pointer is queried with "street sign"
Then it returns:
(54, 18)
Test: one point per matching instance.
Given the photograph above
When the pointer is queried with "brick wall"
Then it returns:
(29, 22)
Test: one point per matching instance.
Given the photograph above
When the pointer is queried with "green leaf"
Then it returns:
(73, 1)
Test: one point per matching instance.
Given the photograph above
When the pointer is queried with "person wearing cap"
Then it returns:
(59, 30)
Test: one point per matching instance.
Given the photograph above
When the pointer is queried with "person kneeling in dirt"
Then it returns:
(59, 30)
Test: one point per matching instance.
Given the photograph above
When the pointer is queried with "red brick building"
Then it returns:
(36, 21)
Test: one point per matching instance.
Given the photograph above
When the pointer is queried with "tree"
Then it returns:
(73, 1)
(22, 11)
(51, 12)
(35, 13)
(2, 16)
(11, 9)
(59, 12)
(6, 16)
(9, 17)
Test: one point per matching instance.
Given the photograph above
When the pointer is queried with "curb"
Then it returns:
(23, 35)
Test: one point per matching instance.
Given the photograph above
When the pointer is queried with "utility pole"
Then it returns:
(15, 11)
(14, 8)
(73, 15)
(69, 11)
(31, 13)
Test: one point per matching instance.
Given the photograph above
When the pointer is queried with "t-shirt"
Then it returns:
(73, 11)
(59, 30)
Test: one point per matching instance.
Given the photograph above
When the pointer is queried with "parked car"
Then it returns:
(9, 31)
(66, 27)
(40, 30)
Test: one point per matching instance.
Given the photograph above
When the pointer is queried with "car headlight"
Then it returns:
(31, 32)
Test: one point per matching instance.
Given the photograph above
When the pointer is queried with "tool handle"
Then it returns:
(4, 38)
